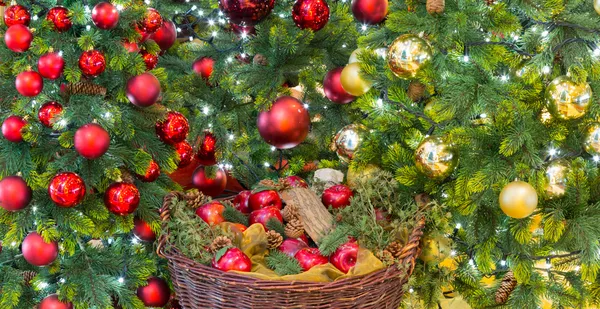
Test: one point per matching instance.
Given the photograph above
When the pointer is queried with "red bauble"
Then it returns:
(152, 172)
(337, 196)
(310, 14)
(291, 246)
(143, 231)
(165, 36)
(286, 124)
(155, 294)
(143, 90)
(152, 21)
(296, 182)
(310, 257)
(122, 198)
(206, 151)
(52, 302)
(185, 152)
(209, 186)
(131, 47)
(345, 256)
(211, 212)
(37, 252)
(51, 65)
(173, 129)
(143, 35)
(59, 16)
(91, 141)
(233, 259)
(18, 38)
(29, 83)
(266, 198)
(16, 15)
(263, 216)
(248, 12)
(105, 15)
(242, 30)
(151, 60)
(11, 128)
(66, 189)
(240, 202)
(370, 11)
(333, 87)
(92, 63)
(15, 194)
(204, 67)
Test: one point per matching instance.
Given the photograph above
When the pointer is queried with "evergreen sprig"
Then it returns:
(282, 264)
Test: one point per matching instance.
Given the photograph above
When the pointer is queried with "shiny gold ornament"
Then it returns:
(518, 199)
(407, 54)
(556, 178)
(352, 82)
(592, 140)
(435, 158)
(347, 141)
(567, 99)
(597, 6)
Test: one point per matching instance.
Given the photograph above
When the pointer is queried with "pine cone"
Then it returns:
(416, 91)
(274, 239)
(386, 257)
(489, 2)
(86, 88)
(28, 275)
(294, 229)
(509, 282)
(435, 6)
(395, 249)
(290, 212)
(219, 243)
(260, 60)
(194, 198)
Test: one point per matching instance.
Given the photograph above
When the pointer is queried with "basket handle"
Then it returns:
(411, 251)
(165, 215)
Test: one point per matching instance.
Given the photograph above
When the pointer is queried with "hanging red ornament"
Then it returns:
(52, 302)
(131, 47)
(185, 152)
(151, 60)
(152, 21)
(152, 172)
(155, 294)
(51, 65)
(143, 35)
(206, 150)
(37, 252)
(242, 30)
(122, 198)
(247, 12)
(66, 189)
(310, 14)
(165, 36)
(18, 38)
(143, 90)
(143, 231)
(48, 113)
(174, 129)
(286, 124)
(105, 15)
(12, 128)
(204, 67)
(16, 15)
(333, 87)
(59, 16)
(211, 186)
(29, 83)
(91, 141)
(15, 194)
(370, 12)
(92, 63)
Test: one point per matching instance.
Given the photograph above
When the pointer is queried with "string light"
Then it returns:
(267, 164)
(548, 264)
(121, 280)
(231, 137)
(205, 110)
(62, 280)
(458, 226)
(273, 148)
(306, 105)
(119, 7)
(596, 52)
(503, 263)
(379, 103)
(35, 17)
(466, 58)
(546, 69)
(363, 27)
(134, 241)
(214, 33)
(411, 290)
(452, 253)
(596, 158)
(504, 78)
(552, 152)
(88, 27)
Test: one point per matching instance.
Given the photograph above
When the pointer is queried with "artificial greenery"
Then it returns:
(231, 214)
(276, 225)
(282, 264)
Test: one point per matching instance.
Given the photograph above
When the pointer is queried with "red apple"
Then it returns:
(309, 257)
(263, 215)
(240, 202)
(337, 196)
(291, 246)
(382, 215)
(262, 199)
(211, 212)
(345, 256)
(296, 182)
(233, 259)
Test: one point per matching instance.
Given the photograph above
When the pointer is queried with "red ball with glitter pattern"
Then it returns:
(152, 21)
(122, 198)
(206, 150)
(174, 129)
(152, 172)
(66, 189)
(48, 112)
(92, 63)
(247, 12)
(310, 14)
(16, 14)
(151, 60)
(59, 16)
(185, 152)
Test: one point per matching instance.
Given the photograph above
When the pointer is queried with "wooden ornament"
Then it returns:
(317, 220)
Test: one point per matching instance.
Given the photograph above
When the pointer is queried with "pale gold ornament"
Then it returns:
(354, 56)
(435, 158)
(556, 178)
(408, 54)
(597, 6)
(347, 141)
(352, 82)
(567, 99)
(518, 199)
(592, 140)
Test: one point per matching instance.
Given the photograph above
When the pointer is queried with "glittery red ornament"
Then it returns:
(37, 252)
(91, 141)
(51, 65)
(248, 12)
(206, 150)
(143, 90)
(105, 15)
(173, 129)
(29, 83)
(211, 186)
(151, 60)
(18, 38)
(142, 230)
(131, 47)
(165, 36)
(204, 67)
(152, 172)
(122, 198)
(310, 14)
(52, 302)
(370, 11)
(12, 128)
(66, 189)
(286, 124)
(16, 15)
(59, 16)
(152, 21)
(333, 87)
(48, 112)
(92, 63)
(143, 35)
(15, 194)
(185, 152)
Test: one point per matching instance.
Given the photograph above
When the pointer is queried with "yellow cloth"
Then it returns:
(254, 245)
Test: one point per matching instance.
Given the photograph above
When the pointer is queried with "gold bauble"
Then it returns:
(352, 82)
(592, 140)
(597, 6)
(347, 141)
(354, 56)
(556, 178)
(354, 174)
(407, 54)
(518, 199)
(567, 99)
(435, 158)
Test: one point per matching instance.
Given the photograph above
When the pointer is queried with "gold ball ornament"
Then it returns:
(518, 199)
(435, 158)
(352, 82)
(567, 99)
(592, 140)
(347, 141)
(597, 6)
(408, 54)
(354, 56)
(556, 178)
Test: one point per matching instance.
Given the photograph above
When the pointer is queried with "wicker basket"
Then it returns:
(199, 286)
